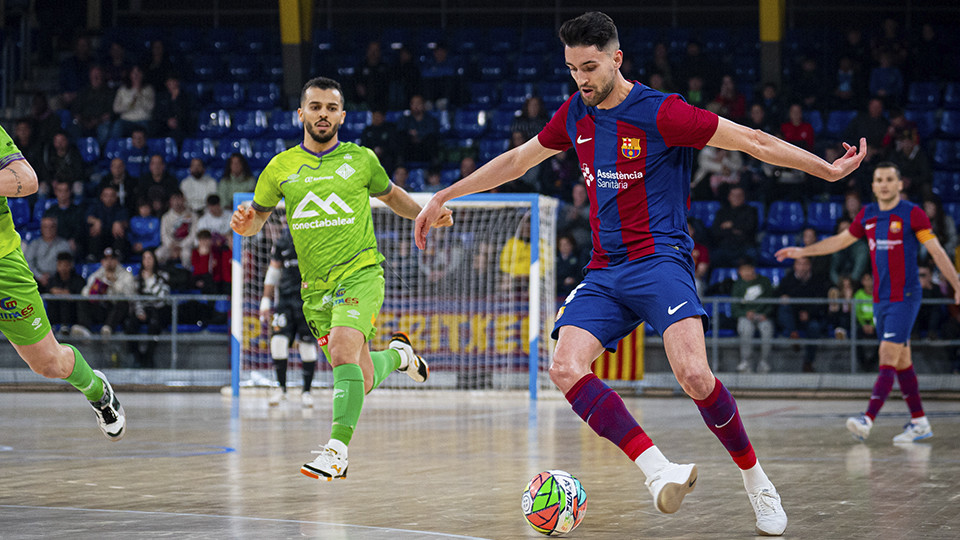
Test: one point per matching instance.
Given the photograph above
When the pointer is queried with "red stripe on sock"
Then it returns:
(712, 398)
(572, 393)
(635, 443)
(745, 458)
(918, 414)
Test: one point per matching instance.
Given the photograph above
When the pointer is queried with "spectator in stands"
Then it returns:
(46, 122)
(532, 118)
(372, 81)
(176, 232)
(660, 64)
(440, 262)
(796, 130)
(721, 168)
(734, 230)
(110, 280)
(772, 103)
(852, 203)
(144, 229)
(701, 259)
(560, 173)
(514, 260)
(73, 71)
(157, 183)
(914, 168)
(116, 69)
(61, 158)
(157, 66)
(441, 79)
(732, 103)
(856, 49)
(405, 79)
(867, 356)
(926, 58)
(156, 314)
(30, 146)
(847, 85)
(215, 220)
(400, 176)
(898, 129)
(133, 104)
(655, 81)
(381, 137)
(891, 42)
(930, 318)
(695, 64)
(805, 320)
(757, 118)
(695, 94)
(210, 265)
(125, 185)
(237, 178)
(838, 311)
(820, 266)
(808, 86)
(871, 124)
(64, 281)
(886, 80)
(137, 157)
(529, 181)
(431, 182)
(951, 331)
(569, 267)
(752, 317)
(467, 166)
(197, 186)
(174, 114)
(71, 219)
(419, 131)
(850, 262)
(93, 108)
(107, 223)
(41, 252)
(942, 225)
(574, 218)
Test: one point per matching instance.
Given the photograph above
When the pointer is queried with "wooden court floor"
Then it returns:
(451, 465)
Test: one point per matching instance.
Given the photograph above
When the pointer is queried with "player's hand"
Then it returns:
(242, 219)
(848, 162)
(265, 315)
(956, 297)
(427, 217)
(445, 219)
(791, 252)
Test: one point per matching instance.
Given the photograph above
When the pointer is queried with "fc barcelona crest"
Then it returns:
(896, 226)
(630, 148)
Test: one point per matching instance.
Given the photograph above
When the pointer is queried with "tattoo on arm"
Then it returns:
(19, 183)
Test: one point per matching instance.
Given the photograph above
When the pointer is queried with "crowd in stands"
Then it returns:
(142, 147)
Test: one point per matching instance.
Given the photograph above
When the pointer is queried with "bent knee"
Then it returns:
(697, 384)
(565, 373)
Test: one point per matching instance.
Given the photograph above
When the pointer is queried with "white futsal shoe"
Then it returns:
(860, 426)
(671, 484)
(306, 400)
(915, 430)
(411, 364)
(277, 395)
(110, 416)
(329, 465)
(771, 519)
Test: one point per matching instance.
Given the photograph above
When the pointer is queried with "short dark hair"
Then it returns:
(204, 235)
(323, 83)
(888, 165)
(592, 28)
(213, 200)
(65, 256)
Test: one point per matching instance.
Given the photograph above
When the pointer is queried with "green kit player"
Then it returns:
(327, 185)
(22, 316)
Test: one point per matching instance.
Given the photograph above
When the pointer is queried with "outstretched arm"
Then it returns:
(404, 206)
(767, 148)
(247, 222)
(826, 246)
(943, 263)
(507, 166)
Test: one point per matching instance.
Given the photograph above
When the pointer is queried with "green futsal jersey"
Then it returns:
(328, 208)
(9, 239)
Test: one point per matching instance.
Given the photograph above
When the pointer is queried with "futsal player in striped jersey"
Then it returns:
(894, 229)
(635, 147)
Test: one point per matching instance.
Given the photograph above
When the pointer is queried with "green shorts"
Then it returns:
(354, 302)
(22, 316)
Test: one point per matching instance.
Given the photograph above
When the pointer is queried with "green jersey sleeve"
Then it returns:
(379, 181)
(267, 194)
(8, 149)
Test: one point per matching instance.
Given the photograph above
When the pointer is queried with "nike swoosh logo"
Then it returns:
(719, 426)
(692, 482)
(672, 310)
(870, 226)
(581, 140)
(889, 335)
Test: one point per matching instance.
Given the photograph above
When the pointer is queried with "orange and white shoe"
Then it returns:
(411, 364)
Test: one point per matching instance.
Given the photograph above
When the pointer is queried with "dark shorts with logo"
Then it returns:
(22, 316)
(288, 319)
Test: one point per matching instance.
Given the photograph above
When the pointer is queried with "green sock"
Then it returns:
(83, 378)
(384, 363)
(347, 401)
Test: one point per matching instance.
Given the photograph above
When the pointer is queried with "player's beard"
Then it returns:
(323, 139)
(599, 94)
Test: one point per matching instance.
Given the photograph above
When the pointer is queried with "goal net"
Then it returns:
(478, 302)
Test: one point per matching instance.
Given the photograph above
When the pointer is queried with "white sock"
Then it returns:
(754, 479)
(651, 461)
(921, 420)
(341, 448)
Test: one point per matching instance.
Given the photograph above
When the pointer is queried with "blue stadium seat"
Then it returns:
(203, 149)
(951, 96)
(785, 216)
(249, 123)
(925, 119)
(199, 91)
(483, 95)
(492, 68)
(705, 211)
(528, 68)
(953, 210)
(272, 68)
(263, 95)
(116, 148)
(469, 123)
(717, 275)
(214, 123)
(41, 207)
(285, 124)
(923, 95)
(946, 155)
(19, 210)
(501, 121)
(813, 118)
(837, 121)
(449, 175)
(89, 149)
(85, 269)
(516, 93)
(415, 179)
(206, 67)
(264, 150)
(771, 243)
(950, 124)
(228, 95)
(257, 40)
(233, 145)
(761, 213)
(241, 69)
(184, 40)
(553, 91)
(823, 216)
(774, 273)
(166, 147)
(946, 184)
(221, 40)
(491, 148)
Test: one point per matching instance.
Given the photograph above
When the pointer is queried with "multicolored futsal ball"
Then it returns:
(554, 502)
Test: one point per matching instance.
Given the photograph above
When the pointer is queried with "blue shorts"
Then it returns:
(894, 320)
(611, 302)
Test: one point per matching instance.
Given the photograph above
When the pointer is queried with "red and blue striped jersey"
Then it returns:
(894, 237)
(636, 159)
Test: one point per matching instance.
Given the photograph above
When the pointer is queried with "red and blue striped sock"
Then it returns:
(911, 391)
(881, 389)
(603, 410)
(719, 411)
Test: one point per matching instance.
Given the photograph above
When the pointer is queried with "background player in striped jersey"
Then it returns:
(635, 147)
(895, 229)
(288, 322)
